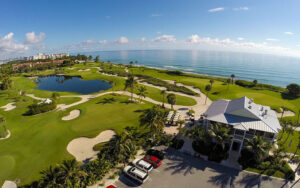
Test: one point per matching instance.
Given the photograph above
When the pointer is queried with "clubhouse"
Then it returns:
(245, 119)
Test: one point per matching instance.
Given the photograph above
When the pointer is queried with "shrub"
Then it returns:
(177, 143)
(201, 147)
(288, 172)
(247, 159)
(244, 83)
(293, 90)
(40, 108)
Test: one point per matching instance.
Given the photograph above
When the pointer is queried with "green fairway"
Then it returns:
(39, 141)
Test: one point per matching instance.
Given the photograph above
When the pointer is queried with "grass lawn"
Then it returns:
(39, 141)
(277, 173)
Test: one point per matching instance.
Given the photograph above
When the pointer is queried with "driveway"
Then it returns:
(180, 170)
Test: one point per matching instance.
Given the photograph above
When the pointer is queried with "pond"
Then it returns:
(71, 84)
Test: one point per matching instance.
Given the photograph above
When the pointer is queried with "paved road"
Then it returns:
(181, 171)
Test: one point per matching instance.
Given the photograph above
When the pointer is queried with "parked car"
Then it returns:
(156, 153)
(111, 186)
(156, 162)
(143, 165)
(136, 174)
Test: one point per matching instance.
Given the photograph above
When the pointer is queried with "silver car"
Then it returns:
(136, 174)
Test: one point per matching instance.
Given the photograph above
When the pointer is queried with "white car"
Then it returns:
(143, 165)
(136, 173)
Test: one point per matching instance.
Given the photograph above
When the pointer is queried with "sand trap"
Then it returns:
(82, 148)
(9, 106)
(7, 136)
(73, 114)
(287, 113)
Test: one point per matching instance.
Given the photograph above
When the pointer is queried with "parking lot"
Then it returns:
(181, 170)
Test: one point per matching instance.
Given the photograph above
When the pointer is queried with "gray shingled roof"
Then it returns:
(243, 113)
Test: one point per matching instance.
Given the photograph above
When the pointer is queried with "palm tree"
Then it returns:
(181, 122)
(259, 147)
(163, 93)
(198, 133)
(50, 178)
(221, 134)
(207, 89)
(211, 81)
(153, 118)
(283, 110)
(112, 83)
(290, 131)
(284, 124)
(71, 174)
(130, 83)
(171, 99)
(232, 78)
(254, 82)
(298, 147)
(142, 91)
(228, 82)
(123, 146)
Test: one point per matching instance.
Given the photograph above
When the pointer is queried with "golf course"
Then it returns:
(38, 141)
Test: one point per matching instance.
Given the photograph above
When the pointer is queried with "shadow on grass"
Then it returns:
(109, 100)
(288, 97)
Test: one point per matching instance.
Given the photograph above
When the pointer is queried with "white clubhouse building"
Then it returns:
(245, 118)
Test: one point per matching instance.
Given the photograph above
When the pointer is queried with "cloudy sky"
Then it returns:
(32, 26)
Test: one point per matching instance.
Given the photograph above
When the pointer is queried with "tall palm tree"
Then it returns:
(298, 147)
(232, 78)
(228, 83)
(221, 134)
(207, 89)
(284, 125)
(211, 81)
(142, 91)
(198, 133)
(283, 110)
(171, 99)
(153, 118)
(259, 147)
(71, 174)
(112, 83)
(290, 131)
(50, 178)
(130, 83)
(163, 93)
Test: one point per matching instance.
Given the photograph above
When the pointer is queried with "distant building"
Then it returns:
(245, 119)
(46, 101)
(47, 56)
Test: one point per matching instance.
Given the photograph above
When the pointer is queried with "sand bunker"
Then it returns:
(7, 136)
(9, 106)
(287, 113)
(73, 114)
(82, 148)
(84, 70)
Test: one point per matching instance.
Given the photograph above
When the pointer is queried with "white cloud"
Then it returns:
(216, 9)
(102, 41)
(288, 33)
(240, 38)
(271, 39)
(228, 44)
(122, 40)
(241, 9)
(143, 39)
(165, 38)
(155, 15)
(32, 38)
(9, 46)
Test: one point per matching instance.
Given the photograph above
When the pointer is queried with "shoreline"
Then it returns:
(192, 73)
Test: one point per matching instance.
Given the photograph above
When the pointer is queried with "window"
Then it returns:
(259, 133)
(239, 132)
(269, 135)
(251, 131)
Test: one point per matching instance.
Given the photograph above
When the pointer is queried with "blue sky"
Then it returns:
(268, 26)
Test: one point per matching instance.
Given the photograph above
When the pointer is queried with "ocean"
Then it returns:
(275, 70)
